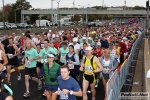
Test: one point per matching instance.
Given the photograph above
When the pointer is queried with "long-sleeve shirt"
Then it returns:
(76, 57)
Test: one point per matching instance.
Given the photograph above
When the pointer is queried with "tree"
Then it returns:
(1, 15)
(76, 18)
(7, 9)
(33, 18)
(139, 8)
(17, 7)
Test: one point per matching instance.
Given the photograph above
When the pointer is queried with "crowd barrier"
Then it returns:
(117, 80)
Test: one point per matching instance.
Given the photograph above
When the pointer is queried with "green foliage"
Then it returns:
(1, 16)
(139, 8)
(17, 7)
(76, 18)
(33, 18)
(43, 17)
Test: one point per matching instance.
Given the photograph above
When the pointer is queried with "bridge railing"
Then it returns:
(117, 80)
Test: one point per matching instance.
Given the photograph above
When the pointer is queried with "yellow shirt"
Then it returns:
(88, 66)
(133, 36)
(117, 49)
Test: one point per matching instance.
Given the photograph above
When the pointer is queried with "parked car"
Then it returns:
(8, 26)
(13, 26)
(1, 27)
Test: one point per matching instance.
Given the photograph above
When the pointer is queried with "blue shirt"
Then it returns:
(70, 84)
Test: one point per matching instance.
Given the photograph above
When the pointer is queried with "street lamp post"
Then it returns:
(58, 12)
(83, 13)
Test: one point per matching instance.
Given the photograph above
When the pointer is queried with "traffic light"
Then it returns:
(147, 4)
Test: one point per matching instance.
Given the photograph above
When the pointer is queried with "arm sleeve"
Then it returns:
(77, 62)
(115, 64)
(76, 86)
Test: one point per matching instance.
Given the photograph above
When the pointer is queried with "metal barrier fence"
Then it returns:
(117, 80)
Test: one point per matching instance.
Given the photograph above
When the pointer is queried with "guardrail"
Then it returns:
(117, 80)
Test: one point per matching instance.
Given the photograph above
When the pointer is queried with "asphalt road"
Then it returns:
(18, 88)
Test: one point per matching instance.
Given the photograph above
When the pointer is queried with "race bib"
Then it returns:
(63, 96)
(27, 63)
(88, 68)
(71, 66)
(62, 58)
(105, 70)
(10, 56)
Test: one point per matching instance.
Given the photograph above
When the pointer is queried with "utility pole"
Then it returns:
(58, 1)
(3, 14)
(52, 17)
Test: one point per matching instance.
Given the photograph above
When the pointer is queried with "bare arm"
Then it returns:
(4, 57)
(82, 64)
(36, 58)
(100, 68)
(79, 93)
(2, 47)
(33, 45)
(17, 50)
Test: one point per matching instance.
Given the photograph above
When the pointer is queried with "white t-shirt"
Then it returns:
(48, 35)
(113, 53)
(81, 45)
(76, 47)
(35, 40)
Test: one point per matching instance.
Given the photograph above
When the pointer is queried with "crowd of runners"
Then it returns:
(56, 59)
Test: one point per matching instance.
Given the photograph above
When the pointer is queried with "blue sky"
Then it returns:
(68, 3)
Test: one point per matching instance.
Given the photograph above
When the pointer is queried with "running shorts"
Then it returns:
(89, 78)
(30, 71)
(39, 64)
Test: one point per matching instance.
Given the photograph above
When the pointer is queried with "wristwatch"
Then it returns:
(71, 92)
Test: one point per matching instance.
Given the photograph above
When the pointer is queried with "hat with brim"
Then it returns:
(89, 38)
(51, 55)
(124, 38)
(88, 48)
(75, 39)
(83, 38)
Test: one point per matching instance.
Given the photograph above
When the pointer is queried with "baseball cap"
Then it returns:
(89, 38)
(88, 48)
(124, 38)
(51, 55)
(75, 39)
(83, 38)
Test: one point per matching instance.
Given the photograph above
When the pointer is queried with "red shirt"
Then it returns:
(57, 45)
(22, 41)
(98, 52)
(123, 47)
